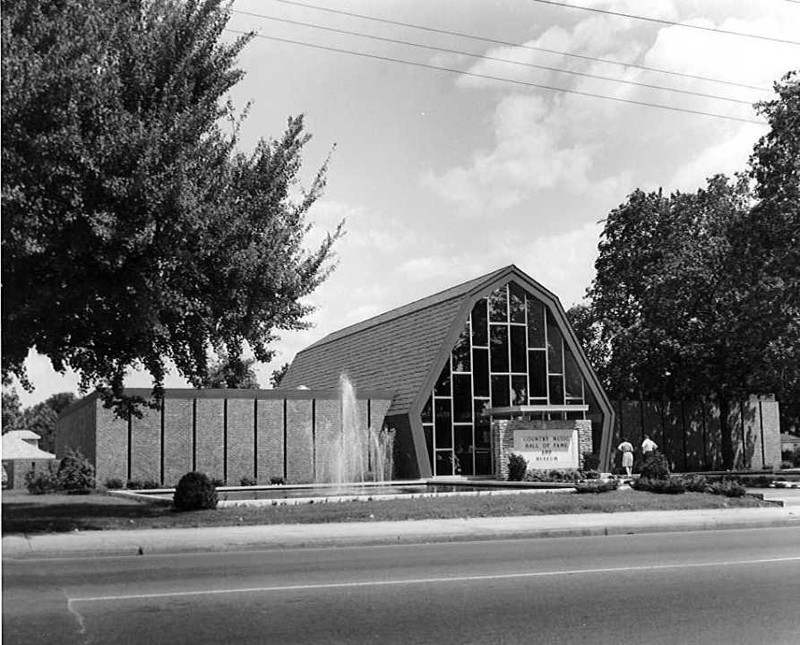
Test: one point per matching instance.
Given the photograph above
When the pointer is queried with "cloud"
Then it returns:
(529, 155)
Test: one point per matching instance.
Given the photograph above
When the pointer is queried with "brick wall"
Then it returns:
(17, 469)
(689, 432)
(225, 433)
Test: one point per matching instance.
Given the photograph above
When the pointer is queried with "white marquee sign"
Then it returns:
(547, 449)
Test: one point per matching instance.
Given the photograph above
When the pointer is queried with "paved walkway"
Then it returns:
(93, 543)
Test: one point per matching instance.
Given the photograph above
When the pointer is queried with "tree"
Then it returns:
(232, 372)
(12, 408)
(41, 418)
(277, 375)
(589, 332)
(134, 233)
(769, 243)
(669, 307)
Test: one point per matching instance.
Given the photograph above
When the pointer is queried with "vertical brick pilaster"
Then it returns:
(502, 444)
(584, 428)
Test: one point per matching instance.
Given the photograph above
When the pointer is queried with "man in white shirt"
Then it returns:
(648, 445)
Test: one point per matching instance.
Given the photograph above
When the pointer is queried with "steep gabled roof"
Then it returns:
(394, 350)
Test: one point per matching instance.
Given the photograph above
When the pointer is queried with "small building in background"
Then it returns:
(21, 455)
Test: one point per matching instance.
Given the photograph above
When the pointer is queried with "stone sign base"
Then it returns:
(545, 445)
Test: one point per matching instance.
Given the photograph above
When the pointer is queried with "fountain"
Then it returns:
(357, 453)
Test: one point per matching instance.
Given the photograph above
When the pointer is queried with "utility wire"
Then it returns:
(491, 58)
(669, 22)
(495, 78)
(519, 45)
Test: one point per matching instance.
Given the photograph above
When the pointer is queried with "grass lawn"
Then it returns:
(32, 514)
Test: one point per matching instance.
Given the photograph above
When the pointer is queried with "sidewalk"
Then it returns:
(284, 536)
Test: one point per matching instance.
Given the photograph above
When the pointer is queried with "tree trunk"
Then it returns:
(726, 430)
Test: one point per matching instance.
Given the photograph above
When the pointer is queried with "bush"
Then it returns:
(696, 483)
(728, 488)
(596, 486)
(217, 482)
(134, 484)
(151, 483)
(248, 481)
(796, 458)
(760, 481)
(114, 483)
(673, 486)
(76, 473)
(553, 475)
(787, 464)
(517, 467)
(195, 492)
(655, 466)
(591, 461)
(277, 481)
(39, 482)
(590, 474)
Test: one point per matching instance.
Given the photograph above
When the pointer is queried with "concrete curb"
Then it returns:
(286, 536)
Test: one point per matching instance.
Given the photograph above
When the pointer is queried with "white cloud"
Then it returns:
(529, 155)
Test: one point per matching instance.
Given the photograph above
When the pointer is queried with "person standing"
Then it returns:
(626, 448)
(648, 446)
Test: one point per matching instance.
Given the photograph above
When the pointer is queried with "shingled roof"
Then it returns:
(394, 350)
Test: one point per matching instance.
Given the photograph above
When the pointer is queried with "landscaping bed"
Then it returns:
(36, 514)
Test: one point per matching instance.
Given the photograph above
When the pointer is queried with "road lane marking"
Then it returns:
(412, 581)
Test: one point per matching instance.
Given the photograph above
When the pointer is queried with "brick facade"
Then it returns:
(228, 434)
(689, 432)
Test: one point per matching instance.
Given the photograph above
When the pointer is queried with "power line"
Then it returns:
(506, 43)
(496, 78)
(669, 22)
(492, 58)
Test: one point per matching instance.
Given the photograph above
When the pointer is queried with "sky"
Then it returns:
(442, 176)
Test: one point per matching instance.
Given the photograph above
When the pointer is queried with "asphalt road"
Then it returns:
(739, 586)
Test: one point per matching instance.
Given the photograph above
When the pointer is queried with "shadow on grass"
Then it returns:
(65, 516)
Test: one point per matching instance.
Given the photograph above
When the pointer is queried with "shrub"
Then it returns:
(114, 483)
(590, 474)
(39, 482)
(277, 481)
(787, 464)
(76, 473)
(695, 483)
(596, 486)
(796, 458)
(135, 484)
(151, 483)
(248, 481)
(728, 488)
(195, 492)
(517, 467)
(553, 476)
(760, 481)
(673, 486)
(217, 482)
(591, 460)
(655, 466)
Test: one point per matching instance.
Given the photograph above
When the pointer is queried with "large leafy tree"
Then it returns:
(134, 232)
(671, 314)
(769, 244)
